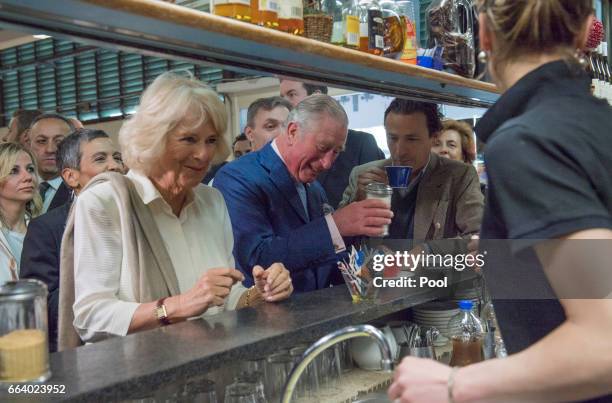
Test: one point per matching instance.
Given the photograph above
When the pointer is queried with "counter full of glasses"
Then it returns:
(126, 368)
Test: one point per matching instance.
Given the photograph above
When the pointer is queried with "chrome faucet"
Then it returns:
(331, 339)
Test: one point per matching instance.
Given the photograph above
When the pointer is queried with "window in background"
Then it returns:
(85, 82)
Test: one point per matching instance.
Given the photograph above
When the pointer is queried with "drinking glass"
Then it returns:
(200, 390)
(257, 382)
(308, 384)
(277, 370)
(239, 392)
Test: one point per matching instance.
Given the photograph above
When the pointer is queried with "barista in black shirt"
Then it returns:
(549, 165)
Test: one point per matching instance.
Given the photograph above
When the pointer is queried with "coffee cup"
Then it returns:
(399, 176)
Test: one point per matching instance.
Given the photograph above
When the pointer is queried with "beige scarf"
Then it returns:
(153, 275)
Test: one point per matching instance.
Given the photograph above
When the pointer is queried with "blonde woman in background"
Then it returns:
(19, 202)
(455, 141)
(547, 225)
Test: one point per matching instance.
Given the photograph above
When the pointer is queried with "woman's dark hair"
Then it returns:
(408, 107)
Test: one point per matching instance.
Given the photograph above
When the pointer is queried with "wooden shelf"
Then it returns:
(163, 29)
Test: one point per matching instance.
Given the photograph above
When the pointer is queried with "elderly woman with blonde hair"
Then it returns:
(155, 247)
(19, 201)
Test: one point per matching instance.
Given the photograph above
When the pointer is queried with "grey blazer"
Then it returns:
(449, 201)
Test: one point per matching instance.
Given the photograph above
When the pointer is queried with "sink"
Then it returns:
(377, 397)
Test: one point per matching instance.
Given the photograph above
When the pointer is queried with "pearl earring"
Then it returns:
(582, 60)
(483, 57)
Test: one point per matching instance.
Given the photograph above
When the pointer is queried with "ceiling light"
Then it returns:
(41, 36)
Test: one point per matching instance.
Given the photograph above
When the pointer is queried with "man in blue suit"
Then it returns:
(80, 156)
(279, 212)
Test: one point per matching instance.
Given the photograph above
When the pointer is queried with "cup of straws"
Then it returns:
(359, 275)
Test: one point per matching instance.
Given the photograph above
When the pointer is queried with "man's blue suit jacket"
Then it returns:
(270, 224)
(40, 259)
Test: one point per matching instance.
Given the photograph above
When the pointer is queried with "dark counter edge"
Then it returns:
(123, 367)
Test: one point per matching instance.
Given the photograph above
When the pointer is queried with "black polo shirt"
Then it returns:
(548, 157)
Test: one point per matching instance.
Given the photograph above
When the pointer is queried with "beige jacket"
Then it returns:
(143, 247)
(449, 201)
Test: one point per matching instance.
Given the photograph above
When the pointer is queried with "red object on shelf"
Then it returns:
(596, 34)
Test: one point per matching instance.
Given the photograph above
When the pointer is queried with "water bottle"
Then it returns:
(466, 333)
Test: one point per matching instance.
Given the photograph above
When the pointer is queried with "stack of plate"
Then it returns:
(435, 314)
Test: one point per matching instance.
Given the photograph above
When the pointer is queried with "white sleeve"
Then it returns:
(98, 311)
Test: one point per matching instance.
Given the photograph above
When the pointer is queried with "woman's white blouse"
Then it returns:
(199, 240)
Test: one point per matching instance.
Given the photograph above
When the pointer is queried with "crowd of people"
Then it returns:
(69, 204)
(163, 228)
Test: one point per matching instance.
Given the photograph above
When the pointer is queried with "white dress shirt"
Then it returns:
(54, 183)
(198, 240)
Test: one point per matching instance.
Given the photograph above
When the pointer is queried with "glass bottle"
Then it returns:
(371, 27)
(346, 25)
(409, 13)
(607, 71)
(291, 17)
(394, 28)
(237, 9)
(592, 73)
(466, 333)
(265, 13)
(335, 10)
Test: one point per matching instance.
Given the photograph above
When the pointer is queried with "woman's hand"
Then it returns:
(274, 284)
(210, 290)
(420, 380)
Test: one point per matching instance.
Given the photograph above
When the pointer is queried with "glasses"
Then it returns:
(329, 367)
(256, 381)
(277, 370)
(308, 384)
(240, 392)
(200, 390)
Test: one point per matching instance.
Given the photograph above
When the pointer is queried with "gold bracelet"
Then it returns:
(247, 302)
(451, 383)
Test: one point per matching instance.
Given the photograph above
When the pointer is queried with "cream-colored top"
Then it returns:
(199, 240)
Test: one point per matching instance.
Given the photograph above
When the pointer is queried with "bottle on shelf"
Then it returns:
(395, 28)
(593, 72)
(371, 27)
(237, 9)
(409, 13)
(334, 9)
(607, 72)
(467, 334)
(346, 24)
(291, 17)
(265, 13)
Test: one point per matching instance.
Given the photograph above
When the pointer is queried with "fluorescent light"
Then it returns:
(41, 36)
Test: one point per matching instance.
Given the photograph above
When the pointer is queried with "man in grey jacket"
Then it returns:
(443, 199)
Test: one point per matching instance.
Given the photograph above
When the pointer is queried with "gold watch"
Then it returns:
(160, 312)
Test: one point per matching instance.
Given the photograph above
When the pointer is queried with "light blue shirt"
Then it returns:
(15, 243)
(54, 183)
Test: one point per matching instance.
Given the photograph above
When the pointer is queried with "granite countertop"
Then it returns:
(117, 368)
